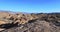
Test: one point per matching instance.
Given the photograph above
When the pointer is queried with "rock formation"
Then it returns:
(20, 22)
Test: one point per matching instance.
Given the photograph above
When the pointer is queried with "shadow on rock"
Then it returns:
(7, 26)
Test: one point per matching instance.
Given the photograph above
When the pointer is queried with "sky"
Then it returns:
(30, 6)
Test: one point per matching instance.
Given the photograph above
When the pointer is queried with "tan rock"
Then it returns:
(19, 17)
(1, 29)
(5, 21)
(21, 21)
(2, 22)
(24, 18)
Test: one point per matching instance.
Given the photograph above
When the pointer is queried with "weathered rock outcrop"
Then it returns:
(19, 22)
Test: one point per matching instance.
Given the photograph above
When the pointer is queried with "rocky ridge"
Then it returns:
(19, 22)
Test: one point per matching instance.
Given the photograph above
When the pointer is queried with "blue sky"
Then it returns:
(30, 6)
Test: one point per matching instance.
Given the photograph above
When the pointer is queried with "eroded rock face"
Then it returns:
(7, 18)
(21, 18)
(19, 22)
